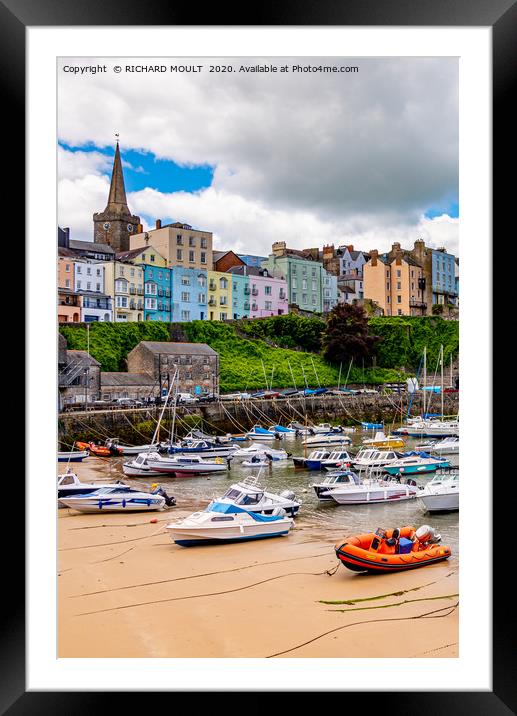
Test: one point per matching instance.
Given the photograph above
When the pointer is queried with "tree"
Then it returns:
(347, 335)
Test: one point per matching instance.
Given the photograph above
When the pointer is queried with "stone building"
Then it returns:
(78, 376)
(396, 283)
(116, 224)
(135, 386)
(197, 365)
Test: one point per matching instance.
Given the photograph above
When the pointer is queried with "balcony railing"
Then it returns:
(212, 302)
(247, 290)
(282, 295)
(212, 286)
(254, 291)
(132, 290)
(417, 303)
(246, 305)
(140, 291)
(254, 307)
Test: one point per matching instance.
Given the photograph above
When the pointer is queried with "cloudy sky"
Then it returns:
(363, 158)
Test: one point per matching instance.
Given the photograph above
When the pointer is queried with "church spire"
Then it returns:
(117, 195)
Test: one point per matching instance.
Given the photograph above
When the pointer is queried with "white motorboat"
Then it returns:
(139, 467)
(356, 492)
(69, 484)
(368, 458)
(299, 429)
(257, 432)
(314, 455)
(333, 480)
(203, 448)
(226, 522)
(446, 446)
(442, 493)
(337, 458)
(118, 498)
(431, 428)
(252, 497)
(184, 465)
(286, 432)
(415, 463)
(323, 439)
(72, 456)
(127, 449)
(259, 449)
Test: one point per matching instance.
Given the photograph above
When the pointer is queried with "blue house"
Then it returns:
(444, 277)
(157, 293)
(252, 260)
(189, 290)
(240, 293)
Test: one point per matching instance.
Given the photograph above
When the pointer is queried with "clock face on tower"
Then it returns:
(106, 225)
(130, 227)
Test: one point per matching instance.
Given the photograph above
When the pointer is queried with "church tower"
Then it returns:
(115, 224)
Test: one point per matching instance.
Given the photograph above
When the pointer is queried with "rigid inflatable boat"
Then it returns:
(392, 550)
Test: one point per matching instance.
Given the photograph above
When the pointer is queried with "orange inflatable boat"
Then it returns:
(392, 550)
(99, 450)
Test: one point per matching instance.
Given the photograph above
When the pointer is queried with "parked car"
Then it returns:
(208, 398)
(186, 399)
(128, 402)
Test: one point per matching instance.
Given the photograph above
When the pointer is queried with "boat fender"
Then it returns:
(123, 503)
(154, 520)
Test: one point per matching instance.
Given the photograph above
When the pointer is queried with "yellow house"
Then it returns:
(397, 285)
(219, 295)
(144, 255)
(125, 282)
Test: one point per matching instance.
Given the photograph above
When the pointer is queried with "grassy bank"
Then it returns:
(244, 363)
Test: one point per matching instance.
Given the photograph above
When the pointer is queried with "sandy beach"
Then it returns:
(126, 590)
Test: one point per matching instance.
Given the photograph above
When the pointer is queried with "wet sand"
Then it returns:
(126, 590)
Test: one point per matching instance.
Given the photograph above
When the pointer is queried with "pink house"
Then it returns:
(266, 295)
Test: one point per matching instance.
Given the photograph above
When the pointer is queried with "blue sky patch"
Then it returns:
(144, 170)
(451, 208)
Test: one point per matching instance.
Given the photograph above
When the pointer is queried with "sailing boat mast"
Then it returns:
(441, 370)
(425, 381)
(162, 412)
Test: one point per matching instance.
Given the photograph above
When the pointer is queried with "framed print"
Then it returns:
(256, 276)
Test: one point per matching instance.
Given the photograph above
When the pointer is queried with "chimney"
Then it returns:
(158, 223)
(350, 247)
(328, 251)
(279, 248)
(373, 257)
(398, 255)
(140, 229)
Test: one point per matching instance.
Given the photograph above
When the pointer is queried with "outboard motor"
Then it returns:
(288, 495)
(169, 501)
(279, 512)
(427, 534)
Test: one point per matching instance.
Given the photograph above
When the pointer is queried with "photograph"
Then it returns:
(257, 282)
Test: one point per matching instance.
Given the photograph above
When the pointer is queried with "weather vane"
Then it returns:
(116, 136)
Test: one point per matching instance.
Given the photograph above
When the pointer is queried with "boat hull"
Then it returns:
(114, 505)
(71, 457)
(441, 503)
(413, 469)
(373, 495)
(190, 537)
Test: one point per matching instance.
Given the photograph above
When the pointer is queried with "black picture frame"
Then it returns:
(501, 16)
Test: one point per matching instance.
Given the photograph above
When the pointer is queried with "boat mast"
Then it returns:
(175, 405)
(441, 370)
(425, 380)
(339, 379)
(162, 412)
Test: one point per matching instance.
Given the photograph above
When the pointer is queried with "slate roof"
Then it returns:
(176, 348)
(127, 379)
(82, 357)
(92, 246)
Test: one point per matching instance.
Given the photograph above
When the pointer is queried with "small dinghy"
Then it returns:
(221, 523)
(99, 450)
(73, 456)
(119, 498)
(127, 449)
(392, 550)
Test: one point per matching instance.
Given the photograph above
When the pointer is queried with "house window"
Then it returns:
(152, 257)
(269, 305)
(121, 301)
(185, 296)
(267, 290)
(203, 244)
(150, 303)
(304, 284)
(78, 268)
(88, 271)
(398, 285)
(191, 256)
(399, 312)
(294, 297)
(185, 281)
(179, 254)
(89, 286)
(78, 284)
(191, 241)
(185, 315)
(179, 240)
(304, 298)
(132, 272)
(67, 283)
(203, 257)
(399, 299)
(398, 273)
(224, 316)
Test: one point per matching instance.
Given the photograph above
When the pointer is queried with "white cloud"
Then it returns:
(309, 159)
